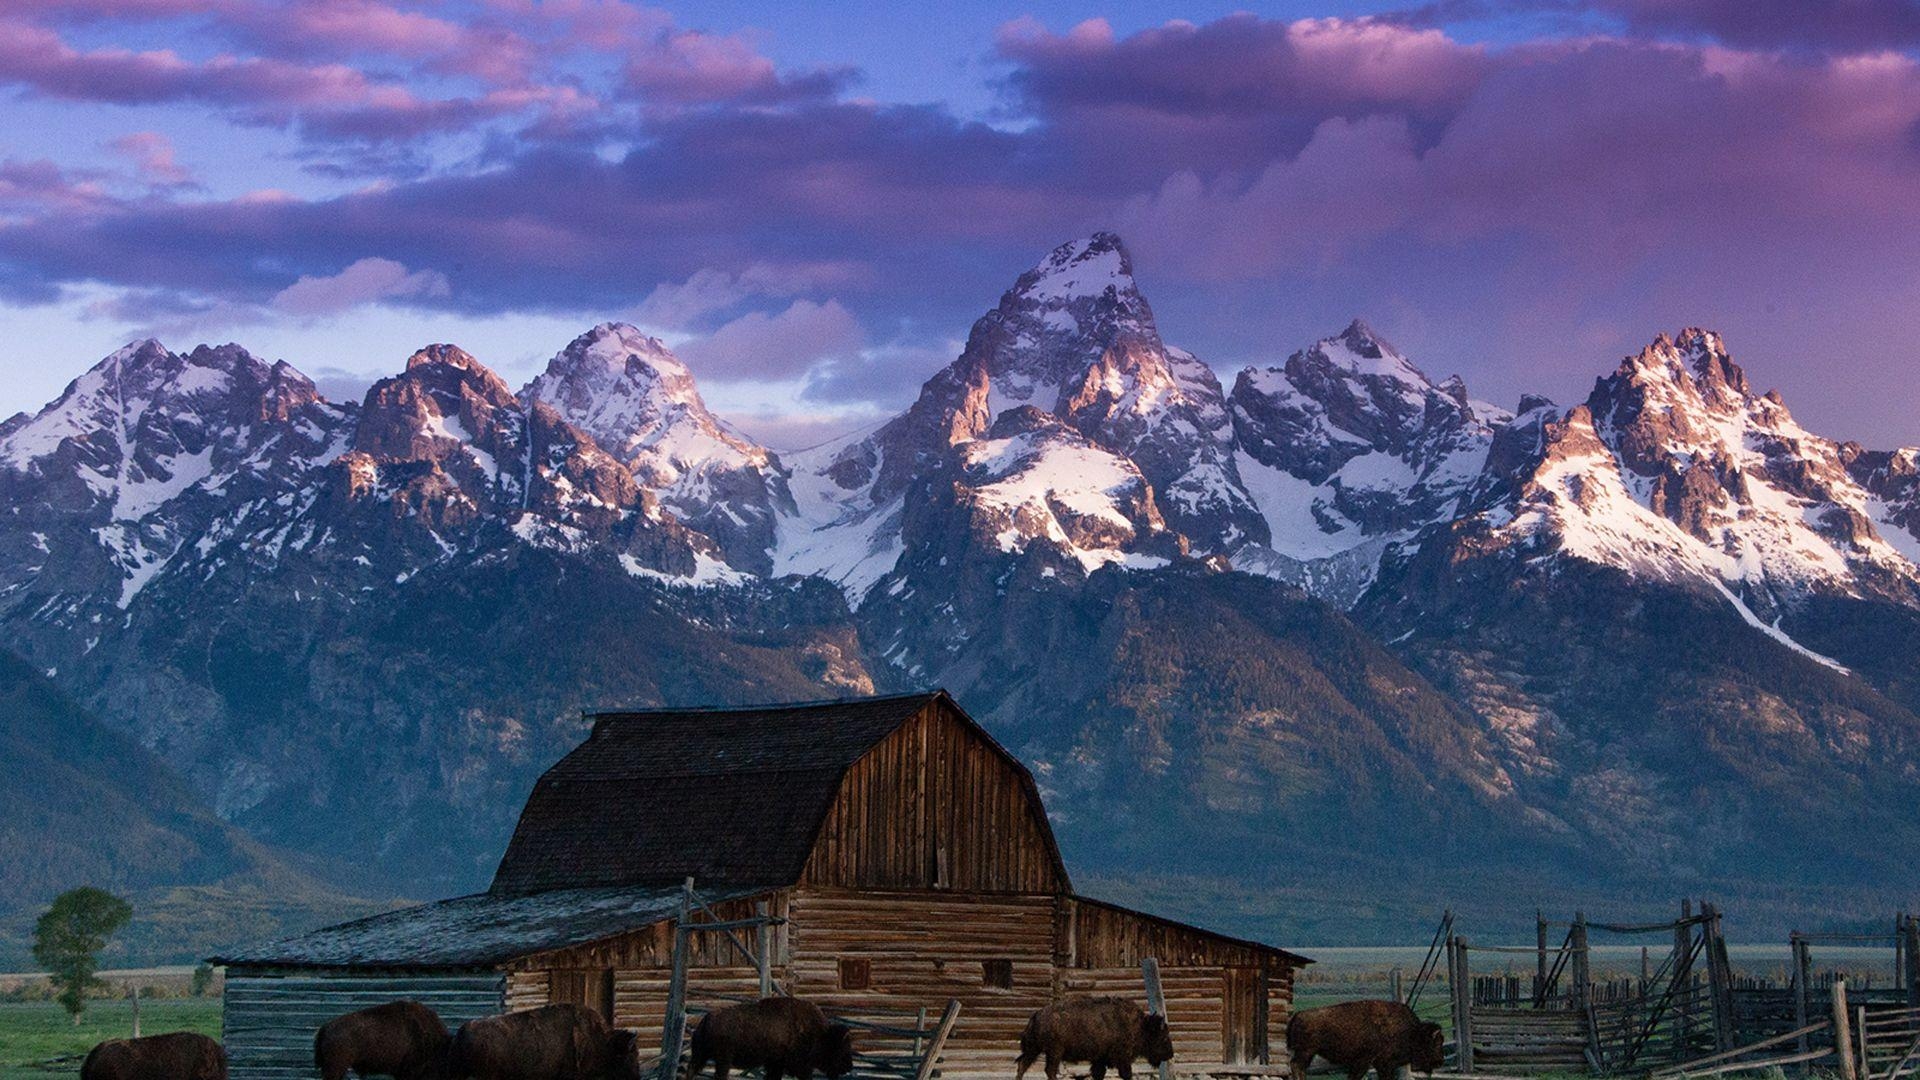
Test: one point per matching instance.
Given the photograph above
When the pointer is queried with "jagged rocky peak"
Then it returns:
(1057, 322)
(1353, 396)
(639, 402)
(145, 403)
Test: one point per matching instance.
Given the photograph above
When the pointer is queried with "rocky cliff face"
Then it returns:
(1342, 607)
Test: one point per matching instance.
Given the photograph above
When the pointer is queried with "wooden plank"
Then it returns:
(1842, 1031)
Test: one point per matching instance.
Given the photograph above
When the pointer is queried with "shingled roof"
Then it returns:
(476, 931)
(725, 796)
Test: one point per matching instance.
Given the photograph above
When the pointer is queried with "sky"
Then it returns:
(812, 202)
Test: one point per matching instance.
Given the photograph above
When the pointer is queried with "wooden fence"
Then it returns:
(1689, 1015)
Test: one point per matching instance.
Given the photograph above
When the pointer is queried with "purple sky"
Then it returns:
(812, 202)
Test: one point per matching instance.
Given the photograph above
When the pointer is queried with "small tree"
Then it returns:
(68, 938)
(202, 978)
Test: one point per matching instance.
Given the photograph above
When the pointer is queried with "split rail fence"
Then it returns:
(1686, 1014)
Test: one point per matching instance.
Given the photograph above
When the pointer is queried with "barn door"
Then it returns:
(587, 989)
(1243, 1018)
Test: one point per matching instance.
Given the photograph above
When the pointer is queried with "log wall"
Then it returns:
(268, 1019)
(1227, 1001)
(923, 950)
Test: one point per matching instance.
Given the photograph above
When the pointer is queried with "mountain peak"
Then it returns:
(1359, 351)
(449, 355)
(1086, 267)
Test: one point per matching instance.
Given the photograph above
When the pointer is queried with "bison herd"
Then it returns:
(781, 1036)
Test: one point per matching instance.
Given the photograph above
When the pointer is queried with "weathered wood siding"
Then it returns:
(1227, 1001)
(936, 806)
(652, 947)
(1102, 935)
(268, 1020)
(1279, 1011)
(923, 950)
(1196, 1013)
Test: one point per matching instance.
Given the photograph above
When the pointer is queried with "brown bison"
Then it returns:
(181, 1055)
(782, 1036)
(1105, 1032)
(1358, 1035)
(401, 1039)
(553, 1042)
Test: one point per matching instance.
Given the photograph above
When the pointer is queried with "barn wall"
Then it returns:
(1213, 984)
(936, 806)
(268, 1019)
(652, 947)
(922, 950)
(1195, 1010)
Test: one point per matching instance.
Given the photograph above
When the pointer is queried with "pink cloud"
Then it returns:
(365, 281)
(689, 67)
(153, 155)
(775, 345)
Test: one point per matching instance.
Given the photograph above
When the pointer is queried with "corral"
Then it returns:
(883, 857)
(1687, 1013)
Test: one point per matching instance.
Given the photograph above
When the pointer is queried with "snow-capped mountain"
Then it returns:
(632, 395)
(1349, 447)
(110, 482)
(1675, 470)
(1071, 368)
(1297, 602)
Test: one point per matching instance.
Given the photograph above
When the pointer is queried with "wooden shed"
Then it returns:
(903, 854)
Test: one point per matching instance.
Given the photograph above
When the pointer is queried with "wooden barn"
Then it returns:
(901, 856)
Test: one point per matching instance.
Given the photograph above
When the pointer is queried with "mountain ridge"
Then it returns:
(290, 600)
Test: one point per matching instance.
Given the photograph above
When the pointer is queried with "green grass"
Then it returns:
(38, 1040)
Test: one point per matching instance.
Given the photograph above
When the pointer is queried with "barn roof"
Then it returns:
(476, 931)
(724, 796)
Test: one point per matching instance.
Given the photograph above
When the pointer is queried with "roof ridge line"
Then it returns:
(858, 699)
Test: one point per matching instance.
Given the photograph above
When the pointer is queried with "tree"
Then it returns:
(68, 938)
(202, 979)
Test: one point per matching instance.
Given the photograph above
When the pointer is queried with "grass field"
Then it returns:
(39, 1041)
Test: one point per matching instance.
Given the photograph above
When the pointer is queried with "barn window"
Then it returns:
(856, 974)
(997, 974)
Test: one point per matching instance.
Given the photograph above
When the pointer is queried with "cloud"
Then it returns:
(776, 345)
(689, 67)
(1273, 178)
(365, 281)
(1848, 26)
(1232, 94)
(28, 187)
(887, 375)
(682, 305)
(153, 156)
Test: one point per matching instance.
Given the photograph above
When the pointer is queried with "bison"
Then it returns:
(1358, 1035)
(553, 1042)
(1105, 1032)
(781, 1035)
(401, 1039)
(181, 1055)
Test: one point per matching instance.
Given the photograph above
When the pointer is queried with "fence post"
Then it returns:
(1461, 976)
(1842, 1030)
(134, 992)
(1539, 959)
(1156, 1000)
(673, 1035)
(1803, 976)
(939, 1041)
(1393, 977)
(763, 947)
(1911, 935)
(1682, 974)
(1582, 990)
(1720, 974)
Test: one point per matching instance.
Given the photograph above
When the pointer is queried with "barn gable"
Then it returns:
(901, 792)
